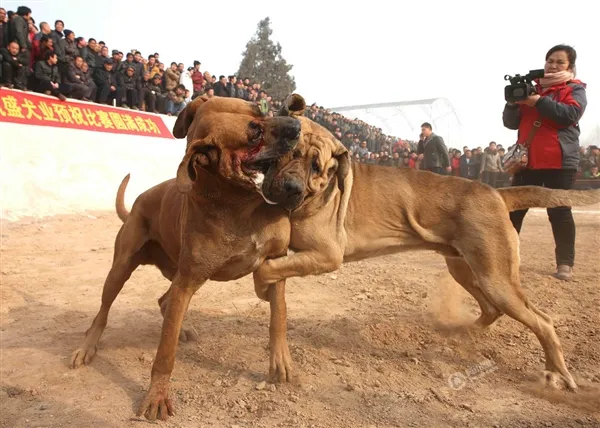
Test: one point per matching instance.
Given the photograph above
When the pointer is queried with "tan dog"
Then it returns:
(343, 220)
(210, 222)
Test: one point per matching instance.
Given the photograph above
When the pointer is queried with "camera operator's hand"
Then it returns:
(530, 101)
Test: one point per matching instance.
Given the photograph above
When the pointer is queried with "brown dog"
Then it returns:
(210, 222)
(342, 220)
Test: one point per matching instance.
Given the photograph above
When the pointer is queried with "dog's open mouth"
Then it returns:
(257, 171)
(260, 167)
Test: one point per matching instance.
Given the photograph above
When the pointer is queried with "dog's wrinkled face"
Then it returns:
(231, 137)
(314, 170)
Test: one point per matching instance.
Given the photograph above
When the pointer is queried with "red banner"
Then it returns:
(34, 109)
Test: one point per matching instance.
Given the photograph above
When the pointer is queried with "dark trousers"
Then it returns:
(437, 170)
(491, 178)
(44, 86)
(105, 95)
(132, 97)
(561, 218)
(16, 76)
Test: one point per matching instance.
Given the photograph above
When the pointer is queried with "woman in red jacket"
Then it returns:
(553, 155)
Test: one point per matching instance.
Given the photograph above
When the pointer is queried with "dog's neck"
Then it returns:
(214, 189)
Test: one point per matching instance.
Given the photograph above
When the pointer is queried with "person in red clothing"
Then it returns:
(553, 155)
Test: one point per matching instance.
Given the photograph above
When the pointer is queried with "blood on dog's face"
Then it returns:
(232, 138)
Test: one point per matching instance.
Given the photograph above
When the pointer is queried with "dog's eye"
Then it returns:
(297, 154)
(315, 166)
(255, 132)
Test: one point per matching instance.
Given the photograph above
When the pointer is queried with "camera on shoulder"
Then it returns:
(521, 87)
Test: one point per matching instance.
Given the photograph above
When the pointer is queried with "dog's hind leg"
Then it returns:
(495, 265)
(462, 273)
(127, 257)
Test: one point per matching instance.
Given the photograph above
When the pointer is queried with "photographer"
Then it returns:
(549, 120)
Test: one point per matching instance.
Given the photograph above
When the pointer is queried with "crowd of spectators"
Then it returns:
(64, 64)
(368, 144)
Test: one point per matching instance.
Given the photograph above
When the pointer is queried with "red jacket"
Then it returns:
(556, 142)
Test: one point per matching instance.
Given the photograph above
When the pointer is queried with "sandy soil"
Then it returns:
(368, 342)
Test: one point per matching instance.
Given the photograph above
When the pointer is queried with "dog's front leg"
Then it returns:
(280, 361)
(157, 402)
(326, 259)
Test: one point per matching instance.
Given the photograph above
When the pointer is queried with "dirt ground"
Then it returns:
(368, 342)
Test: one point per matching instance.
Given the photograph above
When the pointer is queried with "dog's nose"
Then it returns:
(292, 187)
(290, 130)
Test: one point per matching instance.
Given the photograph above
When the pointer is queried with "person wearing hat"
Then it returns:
(155, 96)
(71, 49)
(109, 83)
(132, 87)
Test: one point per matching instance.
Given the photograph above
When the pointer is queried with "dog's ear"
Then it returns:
(294, 105)
(200, 155)
(186, 117)
(342, 156)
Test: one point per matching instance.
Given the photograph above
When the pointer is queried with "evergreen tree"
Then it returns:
(262, 63)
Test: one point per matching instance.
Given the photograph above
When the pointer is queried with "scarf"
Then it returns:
(552, 79)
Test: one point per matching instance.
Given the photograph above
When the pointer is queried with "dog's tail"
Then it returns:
(120, 202)
(524, 197)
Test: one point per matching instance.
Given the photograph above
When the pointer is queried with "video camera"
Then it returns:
(521, 86)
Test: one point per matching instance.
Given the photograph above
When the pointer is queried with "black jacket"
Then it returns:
(435, 152)
(18, 31)
(46, 72)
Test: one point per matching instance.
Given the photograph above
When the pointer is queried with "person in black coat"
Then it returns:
(47, 76)
(433, 151)
(109, 83)
(14, 69)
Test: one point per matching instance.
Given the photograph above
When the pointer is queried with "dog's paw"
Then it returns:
(556, 381)
(188, 335)
(280, 368)
(83, 356)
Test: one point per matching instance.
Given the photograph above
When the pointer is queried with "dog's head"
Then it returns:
(315, 170)
(230, 137)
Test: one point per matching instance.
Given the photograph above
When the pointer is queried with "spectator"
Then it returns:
(132, 87)
(48, 77)
(14, 69)
(263, 103)
(455, 163)
(60, 46)
(185, 78)
(18, 31)
(71, 49)
(78, 89)
(109, 83)
(171, 77)
(468, 168)
(88, 80)
(154, 96)
(433, 150)
(3, 28)
(553, 155)
(221, 87)
(491, 165)
(592, 173)
(197, 78)
(151, 67)
(176, 100)
(89, 53)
